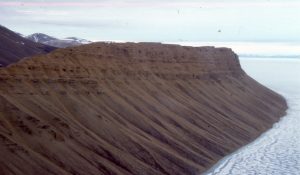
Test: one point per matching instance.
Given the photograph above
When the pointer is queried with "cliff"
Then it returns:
(146, 108)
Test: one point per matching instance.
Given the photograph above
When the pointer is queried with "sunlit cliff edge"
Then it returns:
(130, 108)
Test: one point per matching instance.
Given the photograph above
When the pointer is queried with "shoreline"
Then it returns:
(224, 159)
(273, 139)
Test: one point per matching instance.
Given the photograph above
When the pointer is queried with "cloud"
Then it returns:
(60, 4)
(43, 12)
(82, 24)
(143, 3)
(157, 19)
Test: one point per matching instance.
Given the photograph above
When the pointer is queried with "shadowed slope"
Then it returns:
(13, 47)
(129, 109)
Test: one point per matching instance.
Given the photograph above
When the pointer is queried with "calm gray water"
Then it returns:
(276, 152)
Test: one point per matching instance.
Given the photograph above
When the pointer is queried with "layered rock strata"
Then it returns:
(131, 108)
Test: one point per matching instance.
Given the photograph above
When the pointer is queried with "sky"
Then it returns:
(157, 20)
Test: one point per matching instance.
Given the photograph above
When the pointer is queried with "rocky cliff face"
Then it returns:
(129, 108)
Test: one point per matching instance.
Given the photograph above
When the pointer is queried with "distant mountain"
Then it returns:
(52, 41)
(40, 38)
(14, 47)
(80, 40)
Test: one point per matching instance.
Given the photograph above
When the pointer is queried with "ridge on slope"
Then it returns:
(14, 47)
(131, 108)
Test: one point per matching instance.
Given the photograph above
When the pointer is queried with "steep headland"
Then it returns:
(14, 47)
(132, 108)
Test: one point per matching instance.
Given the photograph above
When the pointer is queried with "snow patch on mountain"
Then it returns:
(52, 41)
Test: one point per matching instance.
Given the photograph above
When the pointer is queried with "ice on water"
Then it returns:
(277, 151)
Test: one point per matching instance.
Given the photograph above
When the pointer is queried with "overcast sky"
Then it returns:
(156, 20)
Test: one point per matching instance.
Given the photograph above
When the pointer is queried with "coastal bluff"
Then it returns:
(129, 109)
